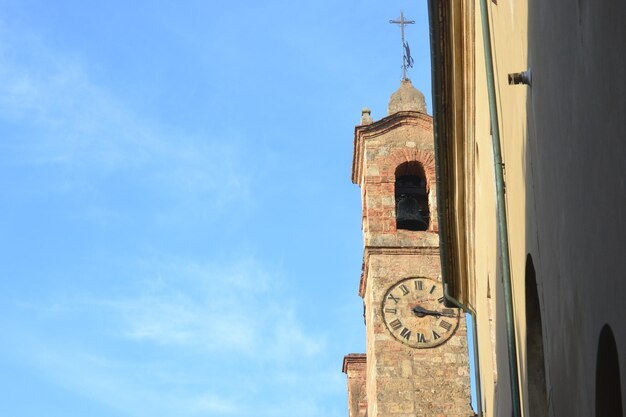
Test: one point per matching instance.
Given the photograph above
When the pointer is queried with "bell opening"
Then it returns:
(412, 212)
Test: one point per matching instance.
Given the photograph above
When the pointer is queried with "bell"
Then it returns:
(408, 214)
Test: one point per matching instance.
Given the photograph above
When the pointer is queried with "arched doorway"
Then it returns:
(608, 385)
(536, 373)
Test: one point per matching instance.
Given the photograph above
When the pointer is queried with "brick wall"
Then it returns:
(354, 366)
(402, 381)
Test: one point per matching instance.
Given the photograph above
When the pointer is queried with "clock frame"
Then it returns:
(414, 314)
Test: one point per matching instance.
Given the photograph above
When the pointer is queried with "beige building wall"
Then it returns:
(509, 30)
(563, 151)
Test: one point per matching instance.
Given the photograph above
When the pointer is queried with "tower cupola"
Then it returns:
(407, 98)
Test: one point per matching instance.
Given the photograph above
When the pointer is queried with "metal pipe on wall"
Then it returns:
(435, 32)
(433, 16)
(503, 232)
(472, 313)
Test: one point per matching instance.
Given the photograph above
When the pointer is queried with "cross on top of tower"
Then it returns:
(407, 60)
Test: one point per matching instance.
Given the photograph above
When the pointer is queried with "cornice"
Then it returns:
(392, 251)
(381, 127)
(452, 47)
(352, 358)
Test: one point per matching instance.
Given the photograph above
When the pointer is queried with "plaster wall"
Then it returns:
(575, 155)
(564, 152)
(508, 30)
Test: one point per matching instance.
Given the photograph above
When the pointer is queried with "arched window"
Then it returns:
(412, 212)
(537, 393)
(608, 385)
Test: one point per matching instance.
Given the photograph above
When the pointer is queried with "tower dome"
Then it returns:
(407, 98)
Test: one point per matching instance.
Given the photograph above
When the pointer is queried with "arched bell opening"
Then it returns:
(537, 390)
(411, 192)
(608, 383)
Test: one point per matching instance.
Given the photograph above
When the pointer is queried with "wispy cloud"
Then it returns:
(129, 388)
(58, 115)
(211, 403)
(196, 316)
(239, 308)
(167, 336)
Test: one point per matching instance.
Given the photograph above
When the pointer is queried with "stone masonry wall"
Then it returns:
(404, 381)
(383, 154)
(354, 366)
(407, 381)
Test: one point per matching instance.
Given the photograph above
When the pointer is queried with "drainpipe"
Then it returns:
(471, 312)
(501, 213)
(435, 30)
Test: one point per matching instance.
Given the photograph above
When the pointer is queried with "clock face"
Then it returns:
(414, 313)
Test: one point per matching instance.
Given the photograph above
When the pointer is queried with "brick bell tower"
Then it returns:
(417, 361)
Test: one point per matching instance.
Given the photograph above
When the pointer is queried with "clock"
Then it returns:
(414, 313)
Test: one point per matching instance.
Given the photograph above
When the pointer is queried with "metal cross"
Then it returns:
(406, 54)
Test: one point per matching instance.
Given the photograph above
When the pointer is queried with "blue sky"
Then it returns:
(179, 233)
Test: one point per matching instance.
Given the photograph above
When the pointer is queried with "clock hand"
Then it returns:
(421, 312)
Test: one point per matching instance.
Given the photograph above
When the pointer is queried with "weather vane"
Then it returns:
(407, 59)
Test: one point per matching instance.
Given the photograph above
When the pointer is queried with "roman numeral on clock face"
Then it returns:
(445, 325)
(432, 289)
(421, 338)
(419, 284)
(436, 335)
(406, 333)
(405, 289)
(391, 297)
(396, 324)
(440, 299)
(391, 311)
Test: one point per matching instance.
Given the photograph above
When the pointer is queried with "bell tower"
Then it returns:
(417, 359)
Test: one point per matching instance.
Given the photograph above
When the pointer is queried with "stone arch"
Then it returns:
(400, 156)
(426, 159)
(608, 384)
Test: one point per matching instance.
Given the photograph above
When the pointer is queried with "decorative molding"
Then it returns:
(381, 127)
(391, 251)
(454, 107)
(352, 358)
